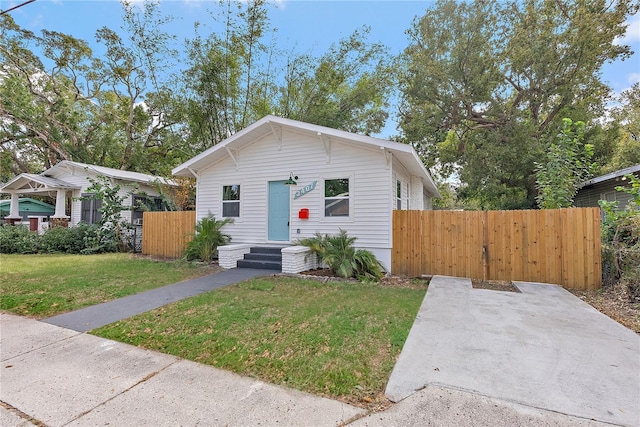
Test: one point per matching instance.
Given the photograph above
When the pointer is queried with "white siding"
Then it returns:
(400, 173)
(417, 193)
(414, 196)
(305, 156)
(79, 177)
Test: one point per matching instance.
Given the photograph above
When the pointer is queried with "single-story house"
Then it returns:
(281, 180)
(604, 188)
(67, 182)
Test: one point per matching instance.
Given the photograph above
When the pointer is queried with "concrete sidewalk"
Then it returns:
(95, 316)
(541, 348)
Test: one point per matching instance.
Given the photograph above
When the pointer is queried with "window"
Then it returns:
(141, 203)
(231, 201)
(399, 195)
(611, 196)
(336, 197)
(90, 208)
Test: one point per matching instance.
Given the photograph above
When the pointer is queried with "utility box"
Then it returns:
(303, 213)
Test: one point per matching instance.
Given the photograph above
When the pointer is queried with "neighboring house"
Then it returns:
(338, 180)
(27, 207)
(604, 188)
(68, 183)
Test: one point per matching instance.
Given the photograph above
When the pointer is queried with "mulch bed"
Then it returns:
(324, 274)
(613, 301)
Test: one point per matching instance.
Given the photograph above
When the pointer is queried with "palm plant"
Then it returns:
(368, 266)
(207, 237)
(316, 245)
(338, 253)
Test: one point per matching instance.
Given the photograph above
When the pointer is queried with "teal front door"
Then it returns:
(278, 211)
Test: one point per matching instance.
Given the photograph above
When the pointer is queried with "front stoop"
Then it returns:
(263, 258)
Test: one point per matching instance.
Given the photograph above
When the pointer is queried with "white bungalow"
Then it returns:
(69, 180)
(281, 180)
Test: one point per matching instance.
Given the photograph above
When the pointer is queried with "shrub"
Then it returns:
(206, 239)
(621, 241)
(338, 253)
(18, 240)
(81, 239)
(62, 240)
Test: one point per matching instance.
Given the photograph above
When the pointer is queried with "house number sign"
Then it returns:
(307, 188)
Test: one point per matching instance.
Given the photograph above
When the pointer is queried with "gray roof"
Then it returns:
(612, 175)
(46, 181)
(119, 174)
(31, 183)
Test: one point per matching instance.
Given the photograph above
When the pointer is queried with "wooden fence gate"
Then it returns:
(165, 234)
(560, 246)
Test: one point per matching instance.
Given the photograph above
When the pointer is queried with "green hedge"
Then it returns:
(81, 239)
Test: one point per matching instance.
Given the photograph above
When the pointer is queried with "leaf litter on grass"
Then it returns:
(337, 339)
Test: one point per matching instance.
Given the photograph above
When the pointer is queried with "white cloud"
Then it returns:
(194, 4)
(633, 78)
(633, 31)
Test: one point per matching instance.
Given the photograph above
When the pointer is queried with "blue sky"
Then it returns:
(303, 26)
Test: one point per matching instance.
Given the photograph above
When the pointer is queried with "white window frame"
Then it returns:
(223, 201)
(349, 198)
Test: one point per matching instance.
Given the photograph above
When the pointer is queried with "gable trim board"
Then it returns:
(274, 148)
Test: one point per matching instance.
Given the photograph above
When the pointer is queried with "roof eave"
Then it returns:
(612, 175)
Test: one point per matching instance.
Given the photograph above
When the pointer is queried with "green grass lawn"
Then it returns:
(335, 339)
(45, 285)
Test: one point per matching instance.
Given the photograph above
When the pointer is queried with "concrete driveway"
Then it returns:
(542, 348)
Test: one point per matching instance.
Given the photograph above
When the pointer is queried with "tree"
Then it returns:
(44, 111)
(111, 235)
(224, 82)
(139, 108)
(346, 88)
(234, 80)
(486, 84)
(626, 151)
(60, 102)
(567, 164)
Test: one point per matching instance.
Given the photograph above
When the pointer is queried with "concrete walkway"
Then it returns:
(95, 316)
(542, 348)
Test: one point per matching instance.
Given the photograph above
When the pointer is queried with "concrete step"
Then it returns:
(263, 256)
(269, 258)
(261, 264)
(266, 250)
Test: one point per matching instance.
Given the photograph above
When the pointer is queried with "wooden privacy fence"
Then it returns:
(560, 246)
(165, 234)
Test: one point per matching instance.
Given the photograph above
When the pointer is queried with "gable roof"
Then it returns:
(47, 180)
(32, 183)
(119, 174)
(274, 125)
(612, 175)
